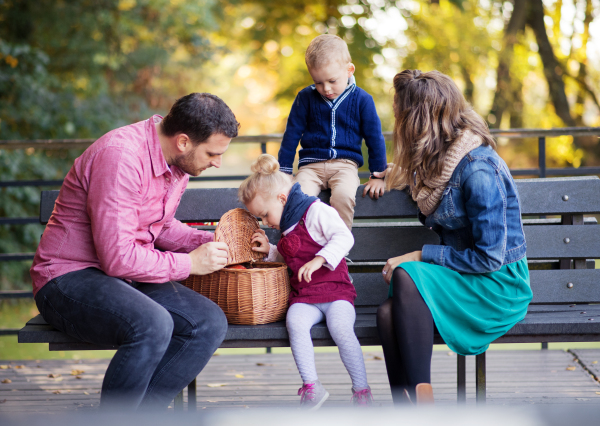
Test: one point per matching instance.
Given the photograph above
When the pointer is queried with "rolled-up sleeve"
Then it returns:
(114, 204)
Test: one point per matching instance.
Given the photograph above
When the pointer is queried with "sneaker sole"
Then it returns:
(316, 407)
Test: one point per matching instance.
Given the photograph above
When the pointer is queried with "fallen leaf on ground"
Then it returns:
(239, 376)
(53, 376)
(378, 358)
(18, 367)
(86, 393)
(6, 381)
(208, 400)
(77, 372)
(450, 353)
(56, 392)
(594, 362)
(571, 368)
(216, 385)
(78, 377)
(260, 364)
(5, 367)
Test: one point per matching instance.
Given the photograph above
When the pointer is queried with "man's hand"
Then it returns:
(375, 188)
(308, 268)
(392, 263)
(261, 238)
(209, 257)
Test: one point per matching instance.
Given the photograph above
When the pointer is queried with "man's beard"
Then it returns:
(186, 163)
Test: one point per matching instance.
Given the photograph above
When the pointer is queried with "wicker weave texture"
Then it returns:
(236, 228)
(251, 296)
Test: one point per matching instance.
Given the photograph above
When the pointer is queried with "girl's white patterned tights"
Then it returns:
(340, 316)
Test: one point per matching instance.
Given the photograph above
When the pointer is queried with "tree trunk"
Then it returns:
(552, 69)
(503, 97)
(469, 86)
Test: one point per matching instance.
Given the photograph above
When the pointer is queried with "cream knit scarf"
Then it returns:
(430, 195)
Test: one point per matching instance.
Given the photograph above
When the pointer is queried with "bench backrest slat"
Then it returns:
(548, 287)
(538, 196)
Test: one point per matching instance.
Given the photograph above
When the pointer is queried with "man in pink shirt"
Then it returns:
(98, 274)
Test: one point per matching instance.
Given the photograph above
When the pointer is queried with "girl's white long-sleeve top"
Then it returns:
(325, 226)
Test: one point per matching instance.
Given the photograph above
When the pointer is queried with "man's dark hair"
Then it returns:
(200, 115)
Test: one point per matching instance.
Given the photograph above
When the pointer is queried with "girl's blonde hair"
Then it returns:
(430, 114)
(265, 179)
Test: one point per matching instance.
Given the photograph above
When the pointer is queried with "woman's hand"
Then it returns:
(261, 238)
(392, 263)
(375, 188)
(308, 268)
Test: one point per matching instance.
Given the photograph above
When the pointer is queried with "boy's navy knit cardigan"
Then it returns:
(331, 129)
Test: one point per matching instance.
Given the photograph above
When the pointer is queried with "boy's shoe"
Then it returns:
(363, 397)
(313, 395)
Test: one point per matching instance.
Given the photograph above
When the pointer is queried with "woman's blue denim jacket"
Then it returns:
(479, 217)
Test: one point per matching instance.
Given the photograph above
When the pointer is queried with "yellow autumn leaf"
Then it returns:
(4, 367)
(86, 393)
(77, 372)
(56, 392)
(6, 381)
(53, 375)
(594, 362)
(571, 368)
(239, 376)
(216, 385)
(18, 367)
(597, 393)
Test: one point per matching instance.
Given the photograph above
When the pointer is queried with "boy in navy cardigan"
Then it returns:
(330, 119)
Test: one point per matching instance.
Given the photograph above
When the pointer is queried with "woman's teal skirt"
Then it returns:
(472, 310)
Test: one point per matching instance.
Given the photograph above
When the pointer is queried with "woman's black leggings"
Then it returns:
(406, 328)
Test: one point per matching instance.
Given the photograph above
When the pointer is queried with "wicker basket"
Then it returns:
(255, 295)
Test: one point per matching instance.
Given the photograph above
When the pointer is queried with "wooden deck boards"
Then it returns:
(271, 380)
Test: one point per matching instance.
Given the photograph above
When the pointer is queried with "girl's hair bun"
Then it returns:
(266, 164)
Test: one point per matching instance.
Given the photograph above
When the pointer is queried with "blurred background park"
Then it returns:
(79, 68)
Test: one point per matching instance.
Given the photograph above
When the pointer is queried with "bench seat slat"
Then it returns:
(562, 324)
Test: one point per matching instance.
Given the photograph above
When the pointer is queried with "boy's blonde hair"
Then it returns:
(327, 48)
(265, 179)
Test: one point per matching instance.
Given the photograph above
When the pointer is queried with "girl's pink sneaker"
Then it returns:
(363, 397)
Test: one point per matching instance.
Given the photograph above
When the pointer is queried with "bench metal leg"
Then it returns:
(480, 379)
(544, 345)
(192, 396)
(178, 402)
(461, 379)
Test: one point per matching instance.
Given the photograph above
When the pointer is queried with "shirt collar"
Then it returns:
(159, 162)
(351, 85)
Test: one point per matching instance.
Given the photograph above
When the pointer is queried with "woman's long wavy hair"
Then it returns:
(430, 114)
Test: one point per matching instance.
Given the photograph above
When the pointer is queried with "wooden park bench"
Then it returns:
(560, 242)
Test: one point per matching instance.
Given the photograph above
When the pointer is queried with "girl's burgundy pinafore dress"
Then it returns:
(298, 248)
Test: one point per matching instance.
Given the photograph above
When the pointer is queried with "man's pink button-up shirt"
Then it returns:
(116, 205)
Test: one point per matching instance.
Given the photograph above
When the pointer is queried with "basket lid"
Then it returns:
(236, 228)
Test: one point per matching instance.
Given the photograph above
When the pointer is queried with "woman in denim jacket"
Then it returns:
(474, 286)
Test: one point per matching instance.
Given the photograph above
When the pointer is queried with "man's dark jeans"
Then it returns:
(166, 333)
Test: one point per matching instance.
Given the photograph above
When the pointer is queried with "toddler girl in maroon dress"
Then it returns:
(314, 240)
